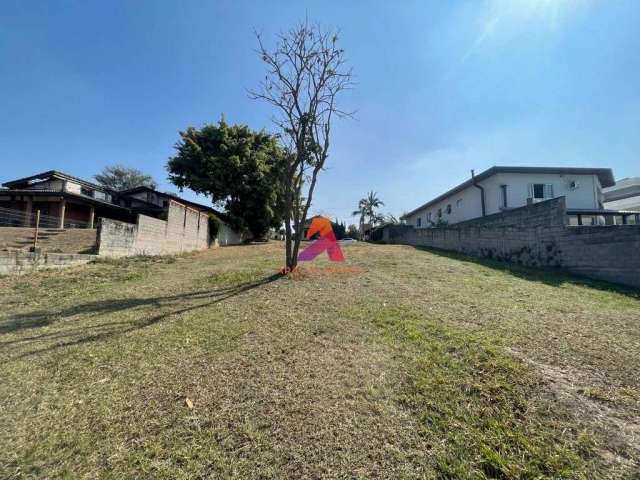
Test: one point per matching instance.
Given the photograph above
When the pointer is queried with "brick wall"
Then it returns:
(538, 235)
(18, 262)
(184, 230)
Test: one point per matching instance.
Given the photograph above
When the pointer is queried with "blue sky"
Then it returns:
(443, 87)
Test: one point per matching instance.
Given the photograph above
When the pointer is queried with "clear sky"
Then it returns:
(443, 87)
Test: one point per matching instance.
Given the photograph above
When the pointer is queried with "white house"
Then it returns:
(502, 188)
(624, 195)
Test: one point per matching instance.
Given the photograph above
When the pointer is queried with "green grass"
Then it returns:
(466, 391)
(418, 365)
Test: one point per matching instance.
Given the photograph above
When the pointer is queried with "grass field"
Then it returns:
(406, 363)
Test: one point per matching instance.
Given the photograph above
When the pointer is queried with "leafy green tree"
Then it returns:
(339, 229)
(119, 177)
(240, 169)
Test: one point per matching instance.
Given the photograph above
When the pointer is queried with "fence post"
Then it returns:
(35, 238)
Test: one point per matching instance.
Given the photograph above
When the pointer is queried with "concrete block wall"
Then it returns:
(184, 230)
(202, 235)
(116, 239)
(609, 252)
(151, 237)
(538, 235)
(19, 262)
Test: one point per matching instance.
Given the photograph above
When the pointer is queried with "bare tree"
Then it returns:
(305, 74)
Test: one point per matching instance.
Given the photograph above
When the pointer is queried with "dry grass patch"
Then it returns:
(411, 364)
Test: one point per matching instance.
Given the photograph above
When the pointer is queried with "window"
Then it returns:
(503, 196)
(419, 222)
(429, 217)
(458, 203)
(86, 191)
(439, 213)
(540, 191)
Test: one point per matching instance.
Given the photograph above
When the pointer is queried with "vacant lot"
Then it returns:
(415, 364)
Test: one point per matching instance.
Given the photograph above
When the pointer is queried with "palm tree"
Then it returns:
(361, 212)
(371, 202)
(367, 208)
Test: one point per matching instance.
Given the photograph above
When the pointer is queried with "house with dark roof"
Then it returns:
(502, 188)
(66, 201)
(140, 198)
(72, 201)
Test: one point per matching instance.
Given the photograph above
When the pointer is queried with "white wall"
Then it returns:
(467, 204)
(586, 195)
(72, 187)
(464, 205)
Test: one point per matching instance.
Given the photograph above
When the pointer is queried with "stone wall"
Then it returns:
(18, 262)
(184, 230)
(538, 235)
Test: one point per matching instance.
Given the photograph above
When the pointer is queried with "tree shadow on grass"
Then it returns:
(100, 331)
(554, 277)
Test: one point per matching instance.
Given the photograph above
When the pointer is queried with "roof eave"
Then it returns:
(59, 175)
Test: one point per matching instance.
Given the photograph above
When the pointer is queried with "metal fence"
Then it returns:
(19, 218)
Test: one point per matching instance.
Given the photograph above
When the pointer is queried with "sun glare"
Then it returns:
(546, 13)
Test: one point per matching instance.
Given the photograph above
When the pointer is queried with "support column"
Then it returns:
(63, 207)
(27, 212)
(92, 214)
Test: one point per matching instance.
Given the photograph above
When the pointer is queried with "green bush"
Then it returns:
(214, 227)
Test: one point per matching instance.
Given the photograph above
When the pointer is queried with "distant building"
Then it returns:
(502, 188)
(71, 202)
(624, 195)
(74, 202)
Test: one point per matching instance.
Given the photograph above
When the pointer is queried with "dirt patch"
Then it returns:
(571, 387)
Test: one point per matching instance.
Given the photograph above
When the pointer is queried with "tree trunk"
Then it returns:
(296, 248)
(287, 226)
